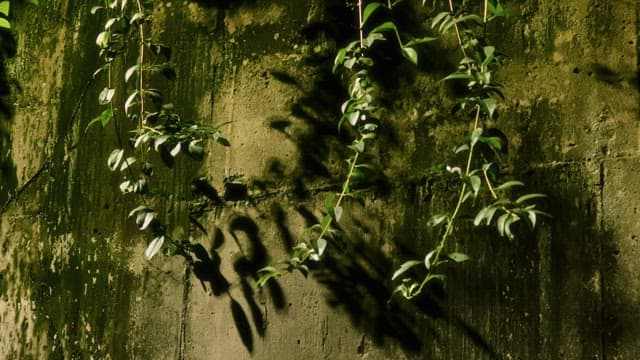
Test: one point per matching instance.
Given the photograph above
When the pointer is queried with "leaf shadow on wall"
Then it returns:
(8, 179)
(206, 266)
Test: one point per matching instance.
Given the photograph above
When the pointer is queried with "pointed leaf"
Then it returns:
(127, 162)
(154, 247)
(322, 246)
(338, 212)
(176, 150)
(387, 26)
(458, 257)
(4, 8)
(428, 259)
(369, 10)
(526, 197)
(476, 182)
(148, 218)
(410, 54)
(114, 159)
(508, 184)
(130, 71)
(404, 267)
(475, 136)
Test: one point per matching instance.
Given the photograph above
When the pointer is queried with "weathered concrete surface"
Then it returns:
(73, 280)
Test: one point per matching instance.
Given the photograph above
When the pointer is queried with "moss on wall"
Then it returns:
(73, 280)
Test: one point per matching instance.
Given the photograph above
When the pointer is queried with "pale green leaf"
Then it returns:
(154, 247)
(404, 267)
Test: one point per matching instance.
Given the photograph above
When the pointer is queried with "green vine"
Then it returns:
(353, 63)
(479, 171)
(129, 95)
(158, 128)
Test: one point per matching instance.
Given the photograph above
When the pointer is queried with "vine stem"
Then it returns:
(489, 185)
(343, 193)
(449, 229)
(457, 30)
(345, 185)
(140, 64)
(360, 24)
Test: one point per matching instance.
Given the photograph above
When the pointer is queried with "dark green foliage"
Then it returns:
(158, 128)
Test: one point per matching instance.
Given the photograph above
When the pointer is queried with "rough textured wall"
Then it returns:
(73, 280)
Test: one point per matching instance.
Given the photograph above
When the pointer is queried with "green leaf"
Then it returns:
(103, 118)
(322, 246)
(176, 150)
(458, 257)
(461, 148)
(475, 135)
(436, 220)
(4, 8)
(136, 210)
(508, 184)
(476, 182)
(428, 259)
(110, 23)
(266, 273)
(404, 267)
(419, 41)
(501, 224)
(369, 10)
(410, 54)
(195, 149)
(438, 18)
(106, 95)
(489, 215)
(147, 220)
(131, 100)
(136, 17)
(154, 247)
(102, 40)
(4, 23)
(387, 26)
(494, 142)
(142, 139)
(130, 71)
(338, 213)
(531, 215)
(127, 162)
(490, 105)
(526, 197)
(95, 9)
(458, 75)
(357, 146)
(326, 221)
(114, 159)
(480, 216)
(441, 277)
(330, 201)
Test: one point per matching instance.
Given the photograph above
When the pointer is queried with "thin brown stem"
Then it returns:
(457, 30)
(360, 24)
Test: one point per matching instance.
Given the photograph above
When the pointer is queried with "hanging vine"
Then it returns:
(129, 98)
(479, 172)
(129, 95)
(353, 64)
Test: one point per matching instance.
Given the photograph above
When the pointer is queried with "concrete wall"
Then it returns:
(73, 280)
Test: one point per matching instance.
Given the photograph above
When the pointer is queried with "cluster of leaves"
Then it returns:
(4, 12)
(479, 175)
(353, 64)
(158, 127)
